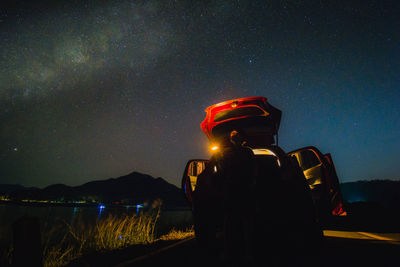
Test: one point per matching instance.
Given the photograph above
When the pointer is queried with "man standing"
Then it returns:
(237, 172)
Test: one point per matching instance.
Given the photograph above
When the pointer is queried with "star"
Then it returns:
(94, 91)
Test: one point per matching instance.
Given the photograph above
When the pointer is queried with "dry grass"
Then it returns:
(64, 242)
(178, 234)
(109, 233)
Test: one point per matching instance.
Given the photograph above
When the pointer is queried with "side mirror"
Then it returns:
(189, 179)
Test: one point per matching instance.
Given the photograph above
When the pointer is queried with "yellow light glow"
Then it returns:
(214, 148)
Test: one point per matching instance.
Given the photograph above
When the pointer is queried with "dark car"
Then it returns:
(295, 190)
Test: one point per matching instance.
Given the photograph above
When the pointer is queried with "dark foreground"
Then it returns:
(361, 239)
(340, 248)
(337, 251)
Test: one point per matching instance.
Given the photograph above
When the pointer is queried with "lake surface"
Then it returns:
(51, 215)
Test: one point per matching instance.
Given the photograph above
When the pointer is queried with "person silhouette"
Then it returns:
(236, 166)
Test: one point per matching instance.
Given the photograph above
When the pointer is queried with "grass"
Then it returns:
(63, 243)
(113, 232)
(178, 234)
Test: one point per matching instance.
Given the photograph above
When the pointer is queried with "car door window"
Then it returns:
(309, 159)
(194, 170)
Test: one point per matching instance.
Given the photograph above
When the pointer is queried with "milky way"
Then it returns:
(92, 90)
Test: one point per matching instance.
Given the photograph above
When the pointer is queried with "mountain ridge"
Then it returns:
(383, 192)
(133, 188)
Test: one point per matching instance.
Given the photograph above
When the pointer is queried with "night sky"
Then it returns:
(96, 89)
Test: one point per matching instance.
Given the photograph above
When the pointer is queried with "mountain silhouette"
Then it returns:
(138, 188)
(134, 188)
(6, 188)
(383, 192)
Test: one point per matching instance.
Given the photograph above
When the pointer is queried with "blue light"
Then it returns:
(101, 208)
(356, 198)
(138, 206)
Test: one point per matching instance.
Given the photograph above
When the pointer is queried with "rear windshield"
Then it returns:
(238, 112)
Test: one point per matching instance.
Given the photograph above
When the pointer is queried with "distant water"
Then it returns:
(50, 215)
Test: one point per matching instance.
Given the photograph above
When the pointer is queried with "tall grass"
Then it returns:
(64, 242)
(67, 242)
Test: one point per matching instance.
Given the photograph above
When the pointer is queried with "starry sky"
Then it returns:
(96, 89)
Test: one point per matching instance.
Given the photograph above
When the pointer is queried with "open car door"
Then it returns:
(322, 179)
(193, 169)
